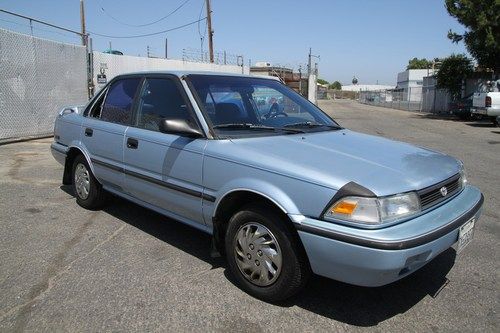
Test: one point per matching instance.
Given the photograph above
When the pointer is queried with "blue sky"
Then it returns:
(370, 39)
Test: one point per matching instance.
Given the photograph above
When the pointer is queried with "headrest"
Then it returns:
(227, 113)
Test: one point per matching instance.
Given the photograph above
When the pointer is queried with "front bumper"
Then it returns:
(377, 257)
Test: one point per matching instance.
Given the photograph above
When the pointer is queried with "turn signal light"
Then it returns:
(344, 207)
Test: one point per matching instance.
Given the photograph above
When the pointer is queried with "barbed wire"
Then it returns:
(220, 57)
(39, 29)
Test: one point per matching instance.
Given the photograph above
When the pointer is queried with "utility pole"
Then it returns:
(300, 80)
(82, 23)
(147, 50)
(309, 63)
(210, 32)
(166, 48)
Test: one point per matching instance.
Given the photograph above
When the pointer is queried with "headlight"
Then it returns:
(374, 211)
(463, 175)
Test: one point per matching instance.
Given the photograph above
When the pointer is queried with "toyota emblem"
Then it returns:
(444, 191)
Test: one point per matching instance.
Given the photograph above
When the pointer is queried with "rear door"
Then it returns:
(104, 129)
(164, 170)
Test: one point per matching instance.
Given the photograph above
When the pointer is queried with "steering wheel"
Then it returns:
(274, 112)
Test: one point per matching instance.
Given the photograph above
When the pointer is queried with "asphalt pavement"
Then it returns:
(124, 268)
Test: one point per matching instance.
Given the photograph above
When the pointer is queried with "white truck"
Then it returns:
(487, 103)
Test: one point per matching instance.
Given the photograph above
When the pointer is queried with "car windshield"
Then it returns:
(246, 106)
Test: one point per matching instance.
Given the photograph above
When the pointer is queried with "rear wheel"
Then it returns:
(264, 255)
(89, 193)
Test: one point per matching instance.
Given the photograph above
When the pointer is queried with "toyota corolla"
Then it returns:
(282, 187)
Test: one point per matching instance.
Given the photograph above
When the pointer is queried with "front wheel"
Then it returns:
(264, 255)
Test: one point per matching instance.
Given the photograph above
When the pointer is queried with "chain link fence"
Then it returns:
(37, 78)
(343, 94)
(409, 99)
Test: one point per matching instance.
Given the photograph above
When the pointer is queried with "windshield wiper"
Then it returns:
(249, 126)
(309, 124)
(243, 126)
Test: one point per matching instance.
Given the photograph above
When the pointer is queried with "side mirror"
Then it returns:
(180, 127)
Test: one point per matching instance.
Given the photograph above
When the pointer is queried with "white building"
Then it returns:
(366, 87)
(410, 83)
(412, 78)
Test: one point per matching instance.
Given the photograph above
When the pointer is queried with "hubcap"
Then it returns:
(82, 181)
(257, 254)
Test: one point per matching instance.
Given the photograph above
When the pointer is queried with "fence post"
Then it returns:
(90, 67)
(409, 98)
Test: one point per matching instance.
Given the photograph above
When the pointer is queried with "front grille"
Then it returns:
(433, 195)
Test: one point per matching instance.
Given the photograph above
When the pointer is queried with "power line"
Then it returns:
(199, 16)
(146, 24)
(150, 34)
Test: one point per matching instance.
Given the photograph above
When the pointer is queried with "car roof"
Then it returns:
(184, 73)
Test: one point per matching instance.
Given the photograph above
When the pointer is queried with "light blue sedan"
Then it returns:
(282, 187)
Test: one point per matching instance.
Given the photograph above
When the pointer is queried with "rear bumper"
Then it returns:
(492, 112)
(378, 257)
(59, 151)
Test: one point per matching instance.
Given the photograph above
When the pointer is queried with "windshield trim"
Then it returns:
(221, 136)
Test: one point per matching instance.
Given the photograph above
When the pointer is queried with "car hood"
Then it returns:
(335, 158)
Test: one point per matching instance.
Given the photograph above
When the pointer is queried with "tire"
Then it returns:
(247, 261)
(464, 116)
(494, 121)
(88, 192)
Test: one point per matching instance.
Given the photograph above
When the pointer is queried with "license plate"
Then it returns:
(465, 234)
(479, 111)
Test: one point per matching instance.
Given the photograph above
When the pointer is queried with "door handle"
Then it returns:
(132, 143)
(89, 132)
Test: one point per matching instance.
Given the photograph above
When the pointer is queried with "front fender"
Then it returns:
(270, 191)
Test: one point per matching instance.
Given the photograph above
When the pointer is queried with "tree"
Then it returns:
(453, 71)
(482, 36)
(321, 81)
(336, 85)
(416, 63)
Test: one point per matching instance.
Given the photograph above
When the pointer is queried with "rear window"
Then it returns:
(117, 107)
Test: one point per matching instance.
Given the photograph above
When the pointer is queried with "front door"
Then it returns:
(104, 129)
(164, 170)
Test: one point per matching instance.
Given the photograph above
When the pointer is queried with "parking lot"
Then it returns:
(125, 268)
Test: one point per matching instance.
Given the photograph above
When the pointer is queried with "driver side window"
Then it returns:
(271, 102)
(227, 106)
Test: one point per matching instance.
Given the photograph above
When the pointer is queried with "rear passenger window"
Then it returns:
(117, 107)
(160, 99)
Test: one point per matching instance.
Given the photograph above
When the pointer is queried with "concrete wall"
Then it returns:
(113, 65)
(312, 89)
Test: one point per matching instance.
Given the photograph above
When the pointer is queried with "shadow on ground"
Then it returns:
(342, 302)
(444, 116)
